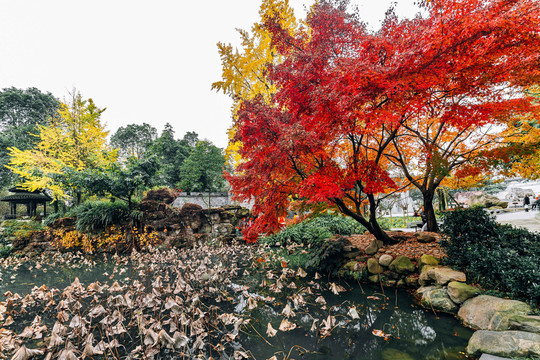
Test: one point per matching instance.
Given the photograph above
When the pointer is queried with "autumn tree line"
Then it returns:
(63, 147)
(328, 114)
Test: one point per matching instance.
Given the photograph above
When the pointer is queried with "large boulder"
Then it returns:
(402, 265)
(491, 313)
(385, 260)
(374, 267)
(441, 276)
(487, 201)
(372, 248)
(425, 238)
(163, 195)
(504, 343)
(426, 259)
(459, 292)
(191, 215)
(438, 299)
(463, 197)
(529, 323)
(66, 223)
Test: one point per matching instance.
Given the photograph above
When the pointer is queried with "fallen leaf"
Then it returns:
(287, 325)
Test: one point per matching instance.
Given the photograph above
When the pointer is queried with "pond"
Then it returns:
(225, 304)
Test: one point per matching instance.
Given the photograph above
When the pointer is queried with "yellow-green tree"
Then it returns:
(75, 139)
(523, 146)
(243, 71)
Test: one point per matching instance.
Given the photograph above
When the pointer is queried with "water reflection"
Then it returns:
(415, 332)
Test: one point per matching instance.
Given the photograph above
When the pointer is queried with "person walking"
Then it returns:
(537, 203)
(526, 202)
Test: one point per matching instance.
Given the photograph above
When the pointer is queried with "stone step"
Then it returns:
(492, 357)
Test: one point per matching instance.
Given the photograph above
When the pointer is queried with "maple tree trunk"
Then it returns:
(372, 225)
(430, 211)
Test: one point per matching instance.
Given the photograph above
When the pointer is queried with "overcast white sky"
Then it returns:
(145, 61)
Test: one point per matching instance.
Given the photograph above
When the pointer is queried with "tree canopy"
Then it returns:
(243, 71)
(21, 111)
(203, 169)
(133, 140)
(74, 139)
(358, 114)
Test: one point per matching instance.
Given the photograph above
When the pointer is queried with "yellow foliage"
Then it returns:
(110, 239)
(75, 139)
(243, 72)
(525, 135)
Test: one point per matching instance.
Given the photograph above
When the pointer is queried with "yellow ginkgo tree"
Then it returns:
(243, 71)
(75, 139)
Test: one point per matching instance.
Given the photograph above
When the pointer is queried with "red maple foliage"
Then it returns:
(353, 106)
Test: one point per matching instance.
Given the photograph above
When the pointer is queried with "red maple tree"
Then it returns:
(351, 102)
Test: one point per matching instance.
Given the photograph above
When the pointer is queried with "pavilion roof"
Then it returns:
(26, 197)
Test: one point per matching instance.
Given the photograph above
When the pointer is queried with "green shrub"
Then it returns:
(315, 230)
(96, 216)
(5, 251)
(51, 218)
(328, 257)
(499, 257)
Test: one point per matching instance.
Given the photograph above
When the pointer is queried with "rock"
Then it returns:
(459, 292)
(487, 201)
(491, 357)
(529, 323)
(242, 212)
(463, 197)
(362, 259)
(411, 281)
(394, 354)
(163, 195)
(491, 313)
(374, 267)
(424, 289)
(425, 238)
(390, 283)
(354, 266)
(192, 215)
(372, 248)
(385, 259)
(66, 222)
(427, 267)
(400, 236)
(438, 299)
(426, 259)
(402, 265)
(374, 279)
(504, 343)
(401, 283)
(352, 254)
(442, 275)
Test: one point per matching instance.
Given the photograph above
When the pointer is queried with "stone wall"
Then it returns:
(207, 200)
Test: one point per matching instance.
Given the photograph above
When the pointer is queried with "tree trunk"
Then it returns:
(430, 211)
(372, 225)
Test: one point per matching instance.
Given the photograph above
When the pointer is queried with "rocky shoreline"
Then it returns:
(504, 327)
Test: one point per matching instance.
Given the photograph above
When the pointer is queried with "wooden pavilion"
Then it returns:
(29, 198)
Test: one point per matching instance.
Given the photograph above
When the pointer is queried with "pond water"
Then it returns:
(360, 322)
